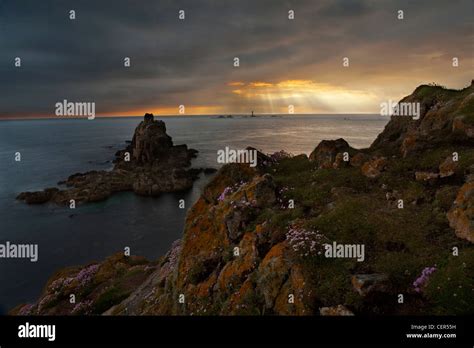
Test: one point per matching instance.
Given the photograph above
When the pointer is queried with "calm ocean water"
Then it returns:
(53, 149)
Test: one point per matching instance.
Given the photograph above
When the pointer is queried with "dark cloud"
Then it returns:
(190, 62)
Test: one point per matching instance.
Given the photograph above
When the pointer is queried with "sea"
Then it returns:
(49, 150)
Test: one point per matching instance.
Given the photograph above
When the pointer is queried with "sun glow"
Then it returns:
(306, 95)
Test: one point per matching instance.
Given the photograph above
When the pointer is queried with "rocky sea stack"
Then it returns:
(148, 166)
(255, 241)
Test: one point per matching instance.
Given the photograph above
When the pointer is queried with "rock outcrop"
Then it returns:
(374, 167)
(461, 216)
(446, 116)
(325, 154)
(148, 166)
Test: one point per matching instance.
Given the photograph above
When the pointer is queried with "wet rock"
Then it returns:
(38, 197)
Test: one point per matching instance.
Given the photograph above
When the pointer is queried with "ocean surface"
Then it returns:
(53, 149)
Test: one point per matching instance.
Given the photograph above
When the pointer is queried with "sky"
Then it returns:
(282, 62)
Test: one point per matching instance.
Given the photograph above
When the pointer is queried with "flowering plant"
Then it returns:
(422, 280)
(304, 242)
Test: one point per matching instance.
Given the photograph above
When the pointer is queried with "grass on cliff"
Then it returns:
(398, 242)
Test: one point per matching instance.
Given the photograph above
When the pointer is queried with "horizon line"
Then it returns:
(39, 117)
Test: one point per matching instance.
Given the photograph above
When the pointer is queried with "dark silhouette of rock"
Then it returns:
(148, 166)
(325, 153)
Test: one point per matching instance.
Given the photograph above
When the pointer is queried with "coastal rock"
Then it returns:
(461, 126)
(97, 287)
(148, 166)
(292, 298)
(365, 284)
(444, 115)
(359, 159)
(426, 177)
(39, 197)
(374, 167)
(339, 161)
(272, 274)
(447, 167)
(339, 310)
(325, 153)
(461, 215)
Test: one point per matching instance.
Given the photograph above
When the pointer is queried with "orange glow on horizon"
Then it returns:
(168, 111)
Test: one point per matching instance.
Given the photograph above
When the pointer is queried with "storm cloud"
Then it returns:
(190, 61)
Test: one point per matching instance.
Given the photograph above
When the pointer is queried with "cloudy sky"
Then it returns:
(190, 62)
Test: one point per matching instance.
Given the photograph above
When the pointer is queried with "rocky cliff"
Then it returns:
(150, 165)
(256, 240)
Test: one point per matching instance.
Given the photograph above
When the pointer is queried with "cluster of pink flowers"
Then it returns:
(26, 309)
(60, 283)
(305, 242)
(224, 193)
(83, 277)
(280, 199)
(86, 274)
(82, 307)
(421, 281)
(230, 189)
